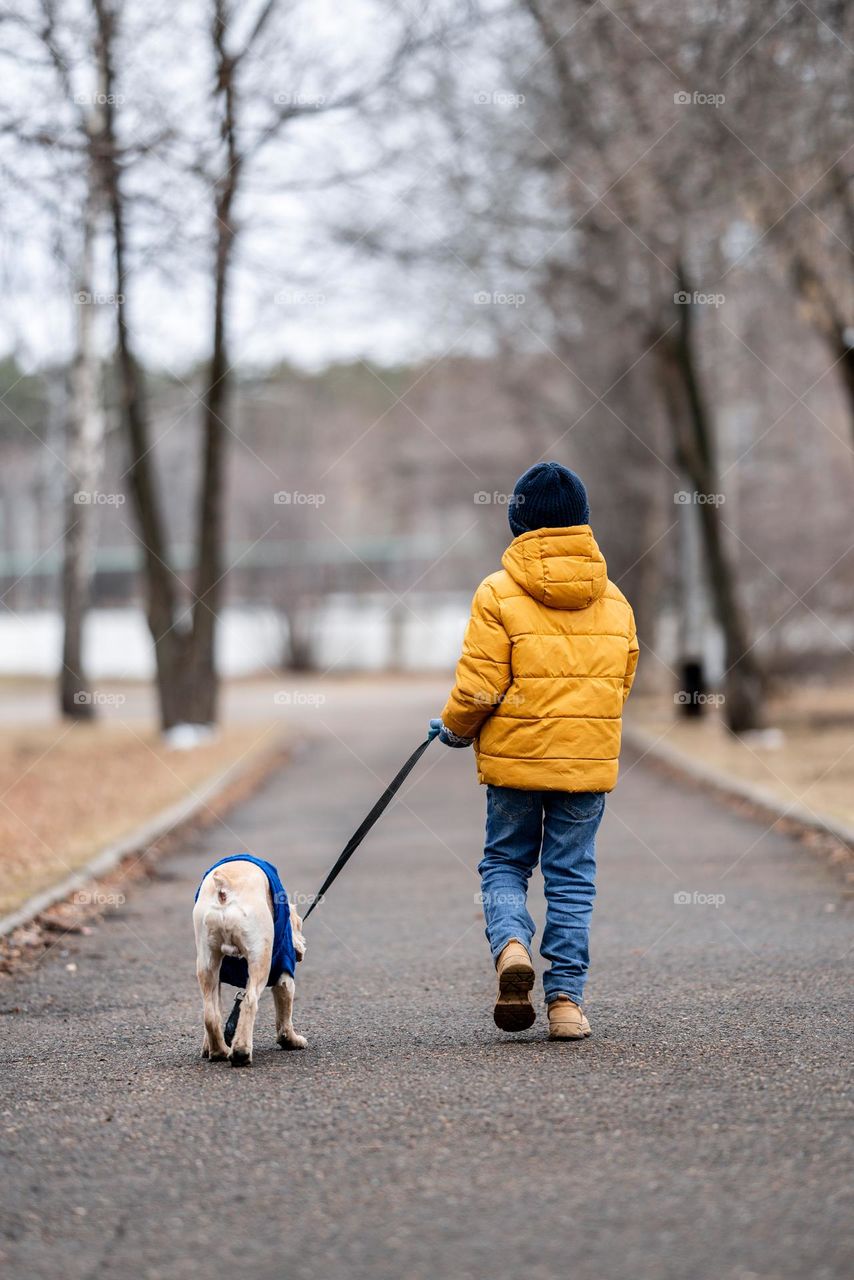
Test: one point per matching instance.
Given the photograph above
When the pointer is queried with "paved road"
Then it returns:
(699, 1133)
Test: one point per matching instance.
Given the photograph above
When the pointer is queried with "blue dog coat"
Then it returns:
(234, 969)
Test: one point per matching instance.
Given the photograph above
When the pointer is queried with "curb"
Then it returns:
(648, 745)
(148, 833)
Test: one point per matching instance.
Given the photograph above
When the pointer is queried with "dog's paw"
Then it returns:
(240, 1058)
(292, 1042)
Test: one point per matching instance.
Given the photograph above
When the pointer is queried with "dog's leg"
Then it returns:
(213, 1044)
(241, 1048)
(283, 995)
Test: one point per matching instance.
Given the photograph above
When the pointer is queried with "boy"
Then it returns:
(548, 660)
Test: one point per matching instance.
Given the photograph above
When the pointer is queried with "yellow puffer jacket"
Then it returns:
(548, 660)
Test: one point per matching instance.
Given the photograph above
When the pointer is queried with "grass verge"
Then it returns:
(806, 759)
(68, 791)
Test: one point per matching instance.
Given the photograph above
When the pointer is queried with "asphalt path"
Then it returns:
(701, 1132)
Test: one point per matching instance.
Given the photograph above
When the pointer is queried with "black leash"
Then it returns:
(346, 854)
(378, 810)
(231, 1023)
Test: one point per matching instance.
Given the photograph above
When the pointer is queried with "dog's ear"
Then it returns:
(296, 929)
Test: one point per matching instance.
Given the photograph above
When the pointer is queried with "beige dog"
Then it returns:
(233, 916)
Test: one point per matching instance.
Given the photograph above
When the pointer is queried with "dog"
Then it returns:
(247, 934)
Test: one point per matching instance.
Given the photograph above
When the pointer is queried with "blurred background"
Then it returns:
(293, 292)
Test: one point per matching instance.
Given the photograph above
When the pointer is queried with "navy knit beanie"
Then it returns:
(548, 496)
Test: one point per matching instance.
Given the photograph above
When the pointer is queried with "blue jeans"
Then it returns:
(558, 828)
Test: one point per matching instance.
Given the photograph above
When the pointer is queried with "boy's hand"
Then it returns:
(444, 734)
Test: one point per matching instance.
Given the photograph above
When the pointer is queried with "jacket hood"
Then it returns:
(562, 568)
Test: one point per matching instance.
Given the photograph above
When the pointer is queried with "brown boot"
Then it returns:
(513, 1009)
(566, 1021)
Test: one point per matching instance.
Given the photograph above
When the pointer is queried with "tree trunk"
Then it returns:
(85, 436)
(301, 617)
(203, 680)
(209, 574)
(691, 426)
(644, 590)
(820, 303)
(692, 673)
(172, 639)
(85, 459)
(845, 353)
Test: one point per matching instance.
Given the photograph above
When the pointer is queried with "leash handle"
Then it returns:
(379, 808)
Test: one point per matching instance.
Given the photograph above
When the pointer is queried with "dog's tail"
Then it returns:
(223, 888)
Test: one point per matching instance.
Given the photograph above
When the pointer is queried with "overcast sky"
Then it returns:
(301, 293)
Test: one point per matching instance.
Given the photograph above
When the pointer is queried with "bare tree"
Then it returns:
(86, 424)
(69, 144)
(246, 119)
(692, 429)
(85, 461)
(790, 91)
(634, 185)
